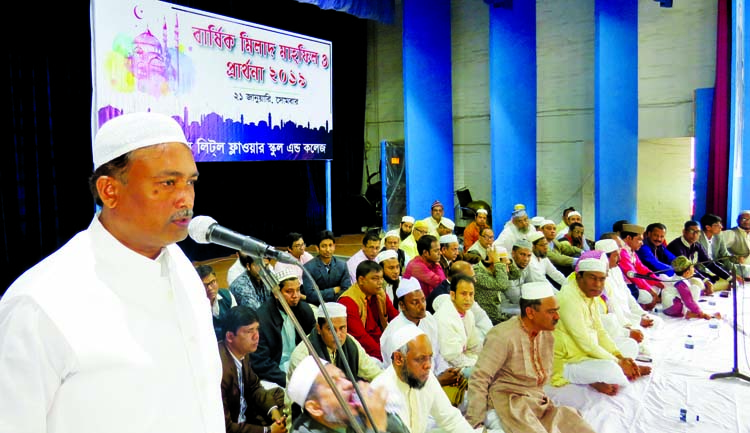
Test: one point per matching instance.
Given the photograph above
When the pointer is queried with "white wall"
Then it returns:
(676, 56)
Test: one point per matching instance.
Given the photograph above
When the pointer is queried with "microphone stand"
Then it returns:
(735, 369)
(355, 421)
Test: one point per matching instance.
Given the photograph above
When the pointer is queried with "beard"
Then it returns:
(411, 380)
(393, 283)
(540, 254)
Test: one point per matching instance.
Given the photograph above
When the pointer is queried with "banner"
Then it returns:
(242, 91)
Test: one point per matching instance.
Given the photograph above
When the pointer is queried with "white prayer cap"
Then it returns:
(482, 211)
(449, 239)
(392, 234)
(385, 255)
(537, 290)
(537, 220)
(406, 286)
(534, 236)
(547, 222)
(501, 251)
(449, 224)
(593, 261)
(402, 336)
(302, 379)
(407, 219)
(573, 213)
(286, 273)
(334, 310)
(129, 132)
(606, 245)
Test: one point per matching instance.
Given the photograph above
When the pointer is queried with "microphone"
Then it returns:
(204, 229)
(632, 274)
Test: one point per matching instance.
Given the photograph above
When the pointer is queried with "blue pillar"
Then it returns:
(615, 112)
(512, 50)
(704, 101)
(428, 115)
(329, 216)
(738, 188)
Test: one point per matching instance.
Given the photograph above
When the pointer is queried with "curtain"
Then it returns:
(378, 10)
(718, 159)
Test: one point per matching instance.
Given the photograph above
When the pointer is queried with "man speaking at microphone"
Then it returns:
(113, 332)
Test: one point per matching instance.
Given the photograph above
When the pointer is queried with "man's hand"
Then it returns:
(629, 368)
(279, 425)
(647, 321)
(636, 335)
(450, 377)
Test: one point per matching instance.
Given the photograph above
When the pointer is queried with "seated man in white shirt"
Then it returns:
(457, 336)
(413, 391)
(540, 268)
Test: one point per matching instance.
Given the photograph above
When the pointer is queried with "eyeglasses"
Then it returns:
(302, 245)
(420, 231)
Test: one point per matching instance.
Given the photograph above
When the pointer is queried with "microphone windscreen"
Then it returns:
(199, 227)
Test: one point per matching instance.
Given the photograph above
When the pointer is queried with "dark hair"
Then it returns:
(653, 226)
(617, 225)
(239, 316)
(116, 168)
(573, 226)
(457, 267)
(326, 234)
(472, 257)
(689, 224)
(425, 243)
(245, 259)
(372, 235)
(458, 278)
(568, 210)
(367, 266)
(533, 303)
(292, 238)
(608, 235)
(710, 219)
(481, 232)
(204, 271)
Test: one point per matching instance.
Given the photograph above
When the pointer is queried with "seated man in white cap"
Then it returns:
(471, 232)
(413, 311)
(436, 216)
(449, 252)
(445, 227)
(278, 337)
(322, 411)
(564, 256)
(573, 216)
(391, 241)
(584, 352)
(409, 245)
(520, 257)
(328, 272)
(248, 407)
(536, 222)
(540, 267)
(404, 229)
(518, 228)
(413, 391)
(458, 338)
(515, 364)
(360, 363)
(426, 266)
(388, 260)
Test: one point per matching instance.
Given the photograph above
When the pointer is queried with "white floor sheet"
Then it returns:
(680, 379)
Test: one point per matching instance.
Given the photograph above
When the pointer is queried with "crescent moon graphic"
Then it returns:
(137, 11)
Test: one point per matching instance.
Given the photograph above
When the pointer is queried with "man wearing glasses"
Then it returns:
(738, 238)
(409, 245)
(296, 245)
(484, 243)
(687, 245)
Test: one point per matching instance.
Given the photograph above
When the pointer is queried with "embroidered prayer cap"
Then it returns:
(448, 239)
(286, 273)
(744, 212)
(435, 204)
(406, 286)
(385, 255)
(593, 261)
(501, 251)
(448, 223)
(606, 245)
(534, 236)
(132, 131)
(522, 243)
(334, 310)
(537, 220)
(392, 234)
(302, 379)
(574, 213)
(519, 211)
(546, 223)
(421, 224)
(407, 219)
(537, 290)
(482, 211)
(633, 228)
(681, 264)
(401, 337)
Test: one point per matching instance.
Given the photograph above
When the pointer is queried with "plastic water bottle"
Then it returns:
(689, 342)
(688, 419)
(713, 326)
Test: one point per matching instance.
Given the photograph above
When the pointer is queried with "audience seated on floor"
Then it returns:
(712, 273)
(388, 260)
(370, 248)
(248, 288)
(520, 258)
(221, 300)
(572, 217)
(405, 227)
(297, 247)
(737, 241)
(492, 278)
(576, 237)
(368, 308)
(484, 243)
(516, 229)
(564, 256)
(471, 232)
(458, 338)
(435, 219)
(646, 291)
(449, 251)
(654, 253)
(327, 271)
(426, 266)
(680, 299)
(392, 241)
(712, 241)
(278, 336)
(540, 268)
(248, 406)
